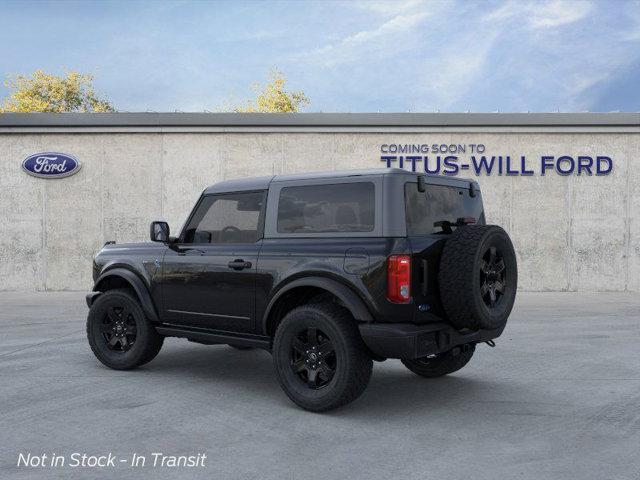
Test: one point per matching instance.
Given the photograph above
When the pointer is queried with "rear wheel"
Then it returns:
(119, 333)
(442, 364)
(319, 358)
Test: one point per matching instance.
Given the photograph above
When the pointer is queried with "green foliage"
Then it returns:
(42, 92)
(273, 98)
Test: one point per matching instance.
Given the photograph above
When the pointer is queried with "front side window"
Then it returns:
(438, 203)
(343, 207)
(228, 218)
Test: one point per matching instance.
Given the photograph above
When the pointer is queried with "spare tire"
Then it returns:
(478, 277)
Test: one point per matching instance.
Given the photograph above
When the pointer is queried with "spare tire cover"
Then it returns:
(478, 277)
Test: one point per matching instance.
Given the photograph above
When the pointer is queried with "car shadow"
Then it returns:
(393, 388)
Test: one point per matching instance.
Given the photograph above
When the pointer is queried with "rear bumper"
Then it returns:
(405, 340)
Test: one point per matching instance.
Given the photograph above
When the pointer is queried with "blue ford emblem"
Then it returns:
(51, 165)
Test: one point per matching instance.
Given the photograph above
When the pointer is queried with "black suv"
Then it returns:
(328, 271)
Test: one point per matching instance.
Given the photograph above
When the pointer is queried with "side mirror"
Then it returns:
(159, 232)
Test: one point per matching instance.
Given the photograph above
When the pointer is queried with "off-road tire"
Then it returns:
(443, 364)
(353, 364)
(148, 341)
(462, 267)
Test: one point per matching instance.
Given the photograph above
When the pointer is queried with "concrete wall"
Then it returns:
(571, 233)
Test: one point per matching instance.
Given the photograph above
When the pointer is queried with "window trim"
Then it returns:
(273, 201)
(261, 216)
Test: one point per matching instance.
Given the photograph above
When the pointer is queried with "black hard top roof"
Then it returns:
(262, 183)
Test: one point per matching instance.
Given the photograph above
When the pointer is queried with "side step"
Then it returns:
(215, 337)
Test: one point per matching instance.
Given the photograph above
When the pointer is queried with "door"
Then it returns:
(209, 275)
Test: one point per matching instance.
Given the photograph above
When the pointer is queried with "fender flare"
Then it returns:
(350, 299)
(141, 290)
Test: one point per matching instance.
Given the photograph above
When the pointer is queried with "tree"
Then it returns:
(43, 92)
(273, 98)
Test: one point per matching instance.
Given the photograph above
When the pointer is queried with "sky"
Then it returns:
(347, 56)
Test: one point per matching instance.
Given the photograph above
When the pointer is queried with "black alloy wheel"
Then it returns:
(119, 328)
(492, 277)
(313, 358)
(119, 333)
(319, 357)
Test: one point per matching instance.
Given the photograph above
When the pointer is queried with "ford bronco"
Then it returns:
(327, 271)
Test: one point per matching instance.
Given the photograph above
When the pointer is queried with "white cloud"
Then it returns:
(553, 70)
(457, 67)
(392, 36)
(389, 7)
(632, 13)
(556, 13)
(540, 15)
(397, 24)
(460, 55)
(507, 11)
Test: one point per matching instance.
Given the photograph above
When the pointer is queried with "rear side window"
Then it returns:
(343, 207)
(436, 204)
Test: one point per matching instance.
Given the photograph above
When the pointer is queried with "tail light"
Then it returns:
(399, 278)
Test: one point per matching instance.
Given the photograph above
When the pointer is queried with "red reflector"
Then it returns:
(399, 278)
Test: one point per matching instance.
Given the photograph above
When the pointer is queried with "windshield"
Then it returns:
(439, 203)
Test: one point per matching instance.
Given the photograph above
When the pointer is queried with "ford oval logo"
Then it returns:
(51, 165)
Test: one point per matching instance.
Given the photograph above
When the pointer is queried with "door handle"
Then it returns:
(239, 264)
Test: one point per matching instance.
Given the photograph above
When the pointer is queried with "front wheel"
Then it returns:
(442, 364)
(119, 333)
(320, 360)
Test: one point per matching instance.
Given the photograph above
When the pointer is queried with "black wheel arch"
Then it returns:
(346, 295)
(115, 278)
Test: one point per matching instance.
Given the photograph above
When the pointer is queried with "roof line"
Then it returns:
(301, 120)
(262, 183)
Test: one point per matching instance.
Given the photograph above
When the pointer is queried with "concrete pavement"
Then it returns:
(558, 398)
